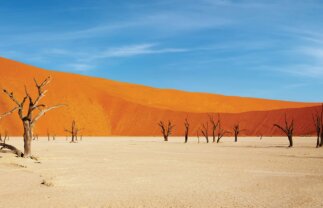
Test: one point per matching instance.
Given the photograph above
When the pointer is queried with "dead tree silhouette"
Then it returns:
(198, 135)
(187, 127)
(318, 124)
(74, 132)
(28, 120)
(214, 127)
(205, 131)
(221, 132)
(288, 129)
(5, 137)
(237, 131)
(166, 130)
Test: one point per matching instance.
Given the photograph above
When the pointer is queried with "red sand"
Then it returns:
(105, 107)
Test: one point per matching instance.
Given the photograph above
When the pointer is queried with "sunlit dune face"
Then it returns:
(105, 107)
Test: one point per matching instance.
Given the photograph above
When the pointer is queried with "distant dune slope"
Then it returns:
(105, 107)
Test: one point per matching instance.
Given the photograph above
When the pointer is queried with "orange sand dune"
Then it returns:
(105, 107)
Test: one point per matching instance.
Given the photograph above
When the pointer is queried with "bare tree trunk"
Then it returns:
(235, 137)
(217, 141)
(318, 140)
(27, 138)
(12, 148)
(166, 129)
(290, 139)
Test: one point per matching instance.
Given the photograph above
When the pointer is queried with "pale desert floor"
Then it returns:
(147, 172)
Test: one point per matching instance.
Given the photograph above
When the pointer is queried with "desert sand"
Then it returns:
(147, 172)
(106, 107)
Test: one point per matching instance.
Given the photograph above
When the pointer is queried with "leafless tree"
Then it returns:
(288, 129)
(28, 120)
(166, 129)
(187, 127)
(205, 131)
(318, 123)
(221, 132)
(35, 137)
(74, 131)
(5, 137)
(237, 131)
(198, 135)
(13, 149)
(214, 127)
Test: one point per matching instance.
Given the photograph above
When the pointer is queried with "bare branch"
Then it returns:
(43, 112)
(9, 112)
(41, 93)
(288, 130)
(12, 148)
(11, 96)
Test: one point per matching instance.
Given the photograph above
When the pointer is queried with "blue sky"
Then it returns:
(267, 49)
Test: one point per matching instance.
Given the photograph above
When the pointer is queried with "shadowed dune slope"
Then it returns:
(105, 107)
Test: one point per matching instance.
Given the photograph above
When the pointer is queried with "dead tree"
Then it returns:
(237, 131)
(198, 135)
(187, 126)
(318, 123)
(28, 120)
(166, 130)
(73, 131)
(205, 131)
(13, 149)
(48, 135)
(288, 130)
(5, 137)
(321, 143)
(214, 127)
(221, 132)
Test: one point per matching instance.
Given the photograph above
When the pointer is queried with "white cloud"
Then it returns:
(135, 50)
(81, 67)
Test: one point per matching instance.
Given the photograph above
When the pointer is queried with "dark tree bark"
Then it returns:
(205, 131)
(317, 119)
(28, 120)
(214, 127)
(187, 126)
(321, 143)
(166, 129)
(73, 131)
(198, 135)
(288, 130)
(236, 131)
(13, 149)
(221, 132)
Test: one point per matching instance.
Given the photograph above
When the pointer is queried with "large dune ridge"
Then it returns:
(105, 107)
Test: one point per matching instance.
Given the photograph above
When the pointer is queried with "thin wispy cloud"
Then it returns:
(217, 41)
(135, 50)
